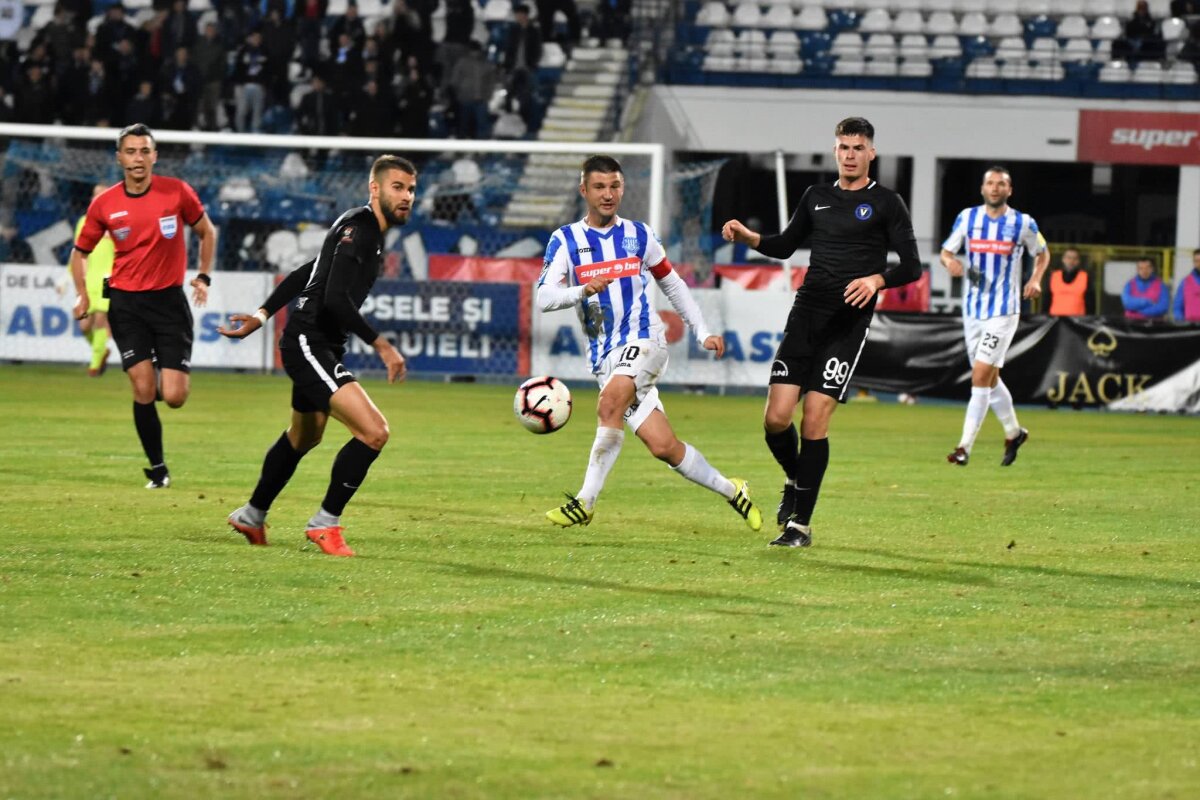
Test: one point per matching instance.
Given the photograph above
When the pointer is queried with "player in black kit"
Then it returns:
(852, 224)
(330, 290)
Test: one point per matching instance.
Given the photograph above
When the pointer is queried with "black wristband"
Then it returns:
(204, 278)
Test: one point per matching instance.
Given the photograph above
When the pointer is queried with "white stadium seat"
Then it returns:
(916, 68)
(1046, 72)
(746, 15)
(1003, 6)
(847, 65)
(1015, 70)
(783, 43)
(1148, 72)
(1106, 8)
(1006, 25)
(1044, 49)
(1115, 72)
(908, 22)
(720, 42)
(983, 68)
(973, 23)
(1034, 8)
(914, 45)
(713, 14)
(876, 20)
(718, 64)
(787, 66)
(1066, 7)
(1072, 27)
(751, 44)
(882, 67)
(1106, 28)
(945, 46)
(811, 18)
(847, 44)
(1010, 48)
(1174, 29)
(1077, 50)
(880, 45)
(941, 22)
(779, 17)
(1181, 73)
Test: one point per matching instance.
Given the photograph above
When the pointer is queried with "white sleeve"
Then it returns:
(654, 249)
(958, 234)
(681, 298)
(554, 291)
(1032, 238)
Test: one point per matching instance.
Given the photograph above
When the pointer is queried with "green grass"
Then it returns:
(981, 632)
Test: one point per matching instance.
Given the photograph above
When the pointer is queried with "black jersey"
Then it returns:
(339, 280)
(851, 233)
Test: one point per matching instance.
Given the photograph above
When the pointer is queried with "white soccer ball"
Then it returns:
(543, 404)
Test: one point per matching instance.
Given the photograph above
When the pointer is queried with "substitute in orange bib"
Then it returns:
(1069, 295)
(148, 311)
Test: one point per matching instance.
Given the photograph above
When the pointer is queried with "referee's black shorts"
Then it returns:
(316, 371)
(821, 344)
(154, 325)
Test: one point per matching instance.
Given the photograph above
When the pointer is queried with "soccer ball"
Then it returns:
(543, 404)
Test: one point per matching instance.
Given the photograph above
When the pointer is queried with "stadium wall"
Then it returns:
(927, 128)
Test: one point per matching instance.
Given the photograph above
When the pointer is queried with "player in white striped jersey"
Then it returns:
(995, 236)
(601, 266)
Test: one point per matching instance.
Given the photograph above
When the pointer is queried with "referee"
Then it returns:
(148, 312)
(330, 291)
(852, 224)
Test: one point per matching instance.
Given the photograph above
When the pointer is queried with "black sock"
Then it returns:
(349, 470)
(277, 469)
(149, 430)
(784, 446)
(810, 469)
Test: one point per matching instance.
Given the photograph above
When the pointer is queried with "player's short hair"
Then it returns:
(855, 126)
(137, 129)
(1003, 170)
(598, 163)
(384, 163)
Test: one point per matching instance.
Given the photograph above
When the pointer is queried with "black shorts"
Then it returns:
(154, 325)
(316, 371)
(821, 345)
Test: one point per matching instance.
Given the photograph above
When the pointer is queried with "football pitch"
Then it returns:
(1021, 632)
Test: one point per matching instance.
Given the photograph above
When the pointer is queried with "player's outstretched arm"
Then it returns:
(735, 231)
(392, 358)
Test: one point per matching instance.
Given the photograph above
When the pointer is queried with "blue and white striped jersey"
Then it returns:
(994, 250)
(628, 252)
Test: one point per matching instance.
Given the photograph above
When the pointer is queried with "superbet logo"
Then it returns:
(991, 247)
(618, 268)
(1150, 138)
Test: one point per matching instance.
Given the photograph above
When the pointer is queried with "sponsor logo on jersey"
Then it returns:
(340, 372)
(864, 212)
(168, 226)
(117, 214)
(630, 243)
(991, 247)
(618, 268)
(121, 234)
(821, 208)
(584, 250)
(779, 370)
(347, 234)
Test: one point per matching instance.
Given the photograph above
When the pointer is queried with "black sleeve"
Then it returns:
(288, 288)
(338, 300)
(786, 242)
(903, 241)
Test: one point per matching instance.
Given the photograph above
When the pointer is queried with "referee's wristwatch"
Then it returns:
(204, 278)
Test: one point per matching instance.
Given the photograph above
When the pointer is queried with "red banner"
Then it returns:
(1139, 137)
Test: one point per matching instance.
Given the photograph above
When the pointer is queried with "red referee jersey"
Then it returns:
(147, 230)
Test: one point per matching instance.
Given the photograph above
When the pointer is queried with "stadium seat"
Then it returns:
(780, 17)
(1003, 6)
(1047, 72)
(720, 42)
(752, 63)
(1148, 72)
(713, 15)
(282, 250)
(1077, 50)
(875, 5)
(973, 23)
(746, 15)
(1160, 9)
(849, 65)
(877, 20)
(1116, 72)
(1174, 29)
(1102, 54)
(1181, 73)
(880, 46)
(1034, 8)
(914, 45)
(882, 67)
(945, 46)
(941, 22)
(1010, 48)
(718, 64)
(915, 68)
(1044, 50)
(1006, 25)
(783, 44)
(751, 44)
(984, 67)
(1015, 70)
(1067, 7)
(847, 44)
(908, 22)
(787, 65)
(1073, 27)
(939, 6)
(811, 18)
(1108, 28)
(497, 11)
(1105, 8)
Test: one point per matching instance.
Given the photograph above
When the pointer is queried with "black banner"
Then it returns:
(1077, 361)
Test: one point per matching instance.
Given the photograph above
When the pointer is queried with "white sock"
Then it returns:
(977, 409)
(696, 469)
(605, 449)
(1002, 406)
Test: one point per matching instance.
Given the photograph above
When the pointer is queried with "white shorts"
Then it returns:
(988, 339)
(645, 361)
